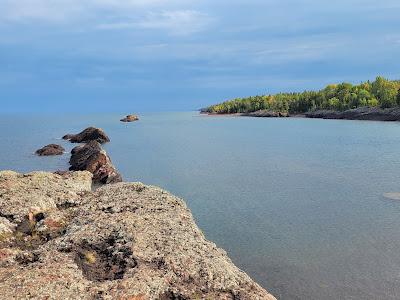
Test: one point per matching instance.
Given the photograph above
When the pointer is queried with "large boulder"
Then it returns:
(130, 118)
(50, 150)
(91, 157)
(122, 241)
(87, 135)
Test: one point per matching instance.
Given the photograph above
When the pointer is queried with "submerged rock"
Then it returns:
(91, 157)
(130, 118)
(122, 241)
(392, 196)
(87, 135)
(50, 150)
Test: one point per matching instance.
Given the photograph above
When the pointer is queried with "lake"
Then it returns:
(297, 203)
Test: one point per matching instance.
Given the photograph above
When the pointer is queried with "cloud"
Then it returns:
(174, 16)
(68, 10)
(25, 10)
(226, 47)
(177, 22)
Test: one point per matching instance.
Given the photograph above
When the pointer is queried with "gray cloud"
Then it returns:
(176, 22)
(195, 50)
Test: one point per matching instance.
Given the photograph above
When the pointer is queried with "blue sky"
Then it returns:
(150, 55)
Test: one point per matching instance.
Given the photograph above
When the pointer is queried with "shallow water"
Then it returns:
(297, 203)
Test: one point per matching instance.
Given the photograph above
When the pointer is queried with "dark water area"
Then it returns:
(297, 203)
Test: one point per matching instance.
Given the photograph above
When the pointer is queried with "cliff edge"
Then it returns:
(61, 240)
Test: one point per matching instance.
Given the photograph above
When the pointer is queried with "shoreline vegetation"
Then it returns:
(377, 100)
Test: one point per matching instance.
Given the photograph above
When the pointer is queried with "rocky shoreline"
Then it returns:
(266, 114)
(362, 113)
(62, 239)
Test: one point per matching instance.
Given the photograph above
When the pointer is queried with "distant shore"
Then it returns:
(361, 113)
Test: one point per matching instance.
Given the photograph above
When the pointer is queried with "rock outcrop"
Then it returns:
(91, 157)
(266, 114)
(87, 135)
(50, 150)
(361, 113)
(130, 118)
(60, 240)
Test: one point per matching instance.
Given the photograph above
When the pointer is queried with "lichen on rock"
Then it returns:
(121, 241)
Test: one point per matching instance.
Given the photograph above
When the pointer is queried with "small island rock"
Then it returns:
(87, 135)
(50, 150)
(130, 118)
(91, 157)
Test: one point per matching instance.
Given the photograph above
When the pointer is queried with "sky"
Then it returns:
(158, 55)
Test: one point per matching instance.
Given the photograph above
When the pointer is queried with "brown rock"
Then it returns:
(50, 150)
(122, 241)
(87, 135)
(91, 157)
(130, 118)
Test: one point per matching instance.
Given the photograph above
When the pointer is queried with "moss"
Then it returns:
(5, 237)
(26, 235)
(90, 257)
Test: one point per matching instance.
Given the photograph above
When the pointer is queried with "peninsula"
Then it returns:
(377, 100)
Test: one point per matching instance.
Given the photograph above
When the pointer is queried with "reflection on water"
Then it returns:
(299, 204)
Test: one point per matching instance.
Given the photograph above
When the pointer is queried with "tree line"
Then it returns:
(382, 93)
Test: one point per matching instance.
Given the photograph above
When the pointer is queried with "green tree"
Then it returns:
(398, 97)
(385, 92)
(381, 92)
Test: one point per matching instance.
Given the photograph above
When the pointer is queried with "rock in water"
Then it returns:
(87, 135)
(50, 150)
(130, 118)
(91, 157)
(392, 196)
(122, 241)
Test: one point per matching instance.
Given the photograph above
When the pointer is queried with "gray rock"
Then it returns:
(122, 241)
(266, 114)
(361, 113)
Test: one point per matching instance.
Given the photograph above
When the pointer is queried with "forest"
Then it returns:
(382, 93)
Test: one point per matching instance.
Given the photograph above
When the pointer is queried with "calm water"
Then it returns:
(297, 203)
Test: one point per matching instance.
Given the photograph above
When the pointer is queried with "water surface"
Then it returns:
(297, 203)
